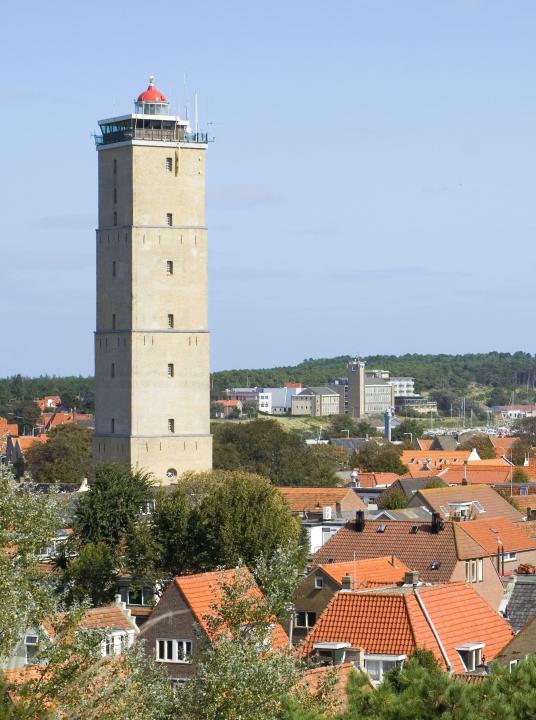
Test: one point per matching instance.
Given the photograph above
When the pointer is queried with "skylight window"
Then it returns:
(436, 564)
(381, 528)
(478, 506)
(414, 529)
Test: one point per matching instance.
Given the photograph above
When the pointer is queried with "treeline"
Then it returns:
(432, 372)
(500, 372)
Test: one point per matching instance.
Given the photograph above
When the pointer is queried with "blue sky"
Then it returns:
(370, 190)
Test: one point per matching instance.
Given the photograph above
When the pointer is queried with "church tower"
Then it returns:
(152, 365)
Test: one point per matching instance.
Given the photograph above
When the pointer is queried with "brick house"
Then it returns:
(380, 629)
(318, 587)
(177, 628)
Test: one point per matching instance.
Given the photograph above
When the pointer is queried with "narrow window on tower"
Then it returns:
(112, 425)
(112, 370)
(170, 321)
(169, 219)
(115, 196)
(115, 166)
(113, 268)
(113, 322)
(115, 218)
(170, 370)
(171, 425)
(169, 164)
(169, 267)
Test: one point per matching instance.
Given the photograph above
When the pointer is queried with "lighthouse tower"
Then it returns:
(152, 339)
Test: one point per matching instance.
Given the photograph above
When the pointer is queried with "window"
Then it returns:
(510, 556)
(112, 370)
(112, 425)
(512, 665)
(113, 268)
(305, 619)
(115, 196)
(113, 321)
(176, 683)
(170, 370)
(319, 582)
(171, 425)
(169, 267)
(523, 491)
(471, 655)
(171, 473)
(377, 666)
(169, 164)
(174, 651)
(30, 644)
(478, 506)
(170, 321)
(115, 166)
(115, 217)
(480, 569)
(169, 219)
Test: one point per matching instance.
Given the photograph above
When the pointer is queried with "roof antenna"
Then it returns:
(186, 96)
(196, 118)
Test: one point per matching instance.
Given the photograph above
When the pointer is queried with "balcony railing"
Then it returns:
(173, 135)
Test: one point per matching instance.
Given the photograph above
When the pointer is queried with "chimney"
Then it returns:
(465, 481)
(347, 583)
(437, 522)
(411, 578)
(359, 520)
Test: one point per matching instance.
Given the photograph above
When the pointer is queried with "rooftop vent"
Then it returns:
(436, 564)
(414, 529)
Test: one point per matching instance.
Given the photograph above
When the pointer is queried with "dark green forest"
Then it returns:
(442, 376)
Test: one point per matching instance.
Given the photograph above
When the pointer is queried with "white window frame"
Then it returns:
(169, 164)
(510, 556)
(512, 665)
(319, 582)
(474, 655)
(30, 641)
(175, 644)
(398, 660)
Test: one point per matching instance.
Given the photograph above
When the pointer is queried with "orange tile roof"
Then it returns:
(228, 403)
(438, 499)
(496, 463)
(442, 457)
(392, 622)
(476, 473)
(313, 679)
(109, 616)
(385, 570)
(26, 441)
(503, 444)
(311, 498)
(372, 479)
(489, 531)
(203, 590)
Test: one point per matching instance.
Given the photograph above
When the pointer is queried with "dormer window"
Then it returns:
(470, 654)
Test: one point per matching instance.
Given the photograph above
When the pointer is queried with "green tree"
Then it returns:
(171, 519)
(278, 576)
(110, 509)
(27, 522)
(65, 458)
(373, 457)
(345, 426)
(92, 574)
(526, 429)
(520, 452)
(392, 500)
(520, 476)
(222, 529)
(408, 431)
(264, 447)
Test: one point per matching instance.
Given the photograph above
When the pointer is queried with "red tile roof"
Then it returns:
(383, 570)
(315, 498)
(490, 532)
(392, 622)
(476, 474)
(204, 590)
(371, 479)
(101, 618)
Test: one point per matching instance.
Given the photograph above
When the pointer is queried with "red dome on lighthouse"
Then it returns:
(152, 95)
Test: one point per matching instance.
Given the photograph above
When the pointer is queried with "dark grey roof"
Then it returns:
(348, 443)
(522, 604)
(409, 486)
(444, 442)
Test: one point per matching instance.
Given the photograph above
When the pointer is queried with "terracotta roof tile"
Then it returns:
(371, 479)
(393, 622)
(489, 531)
(311, 498)
(204, 589)
(384, 570)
